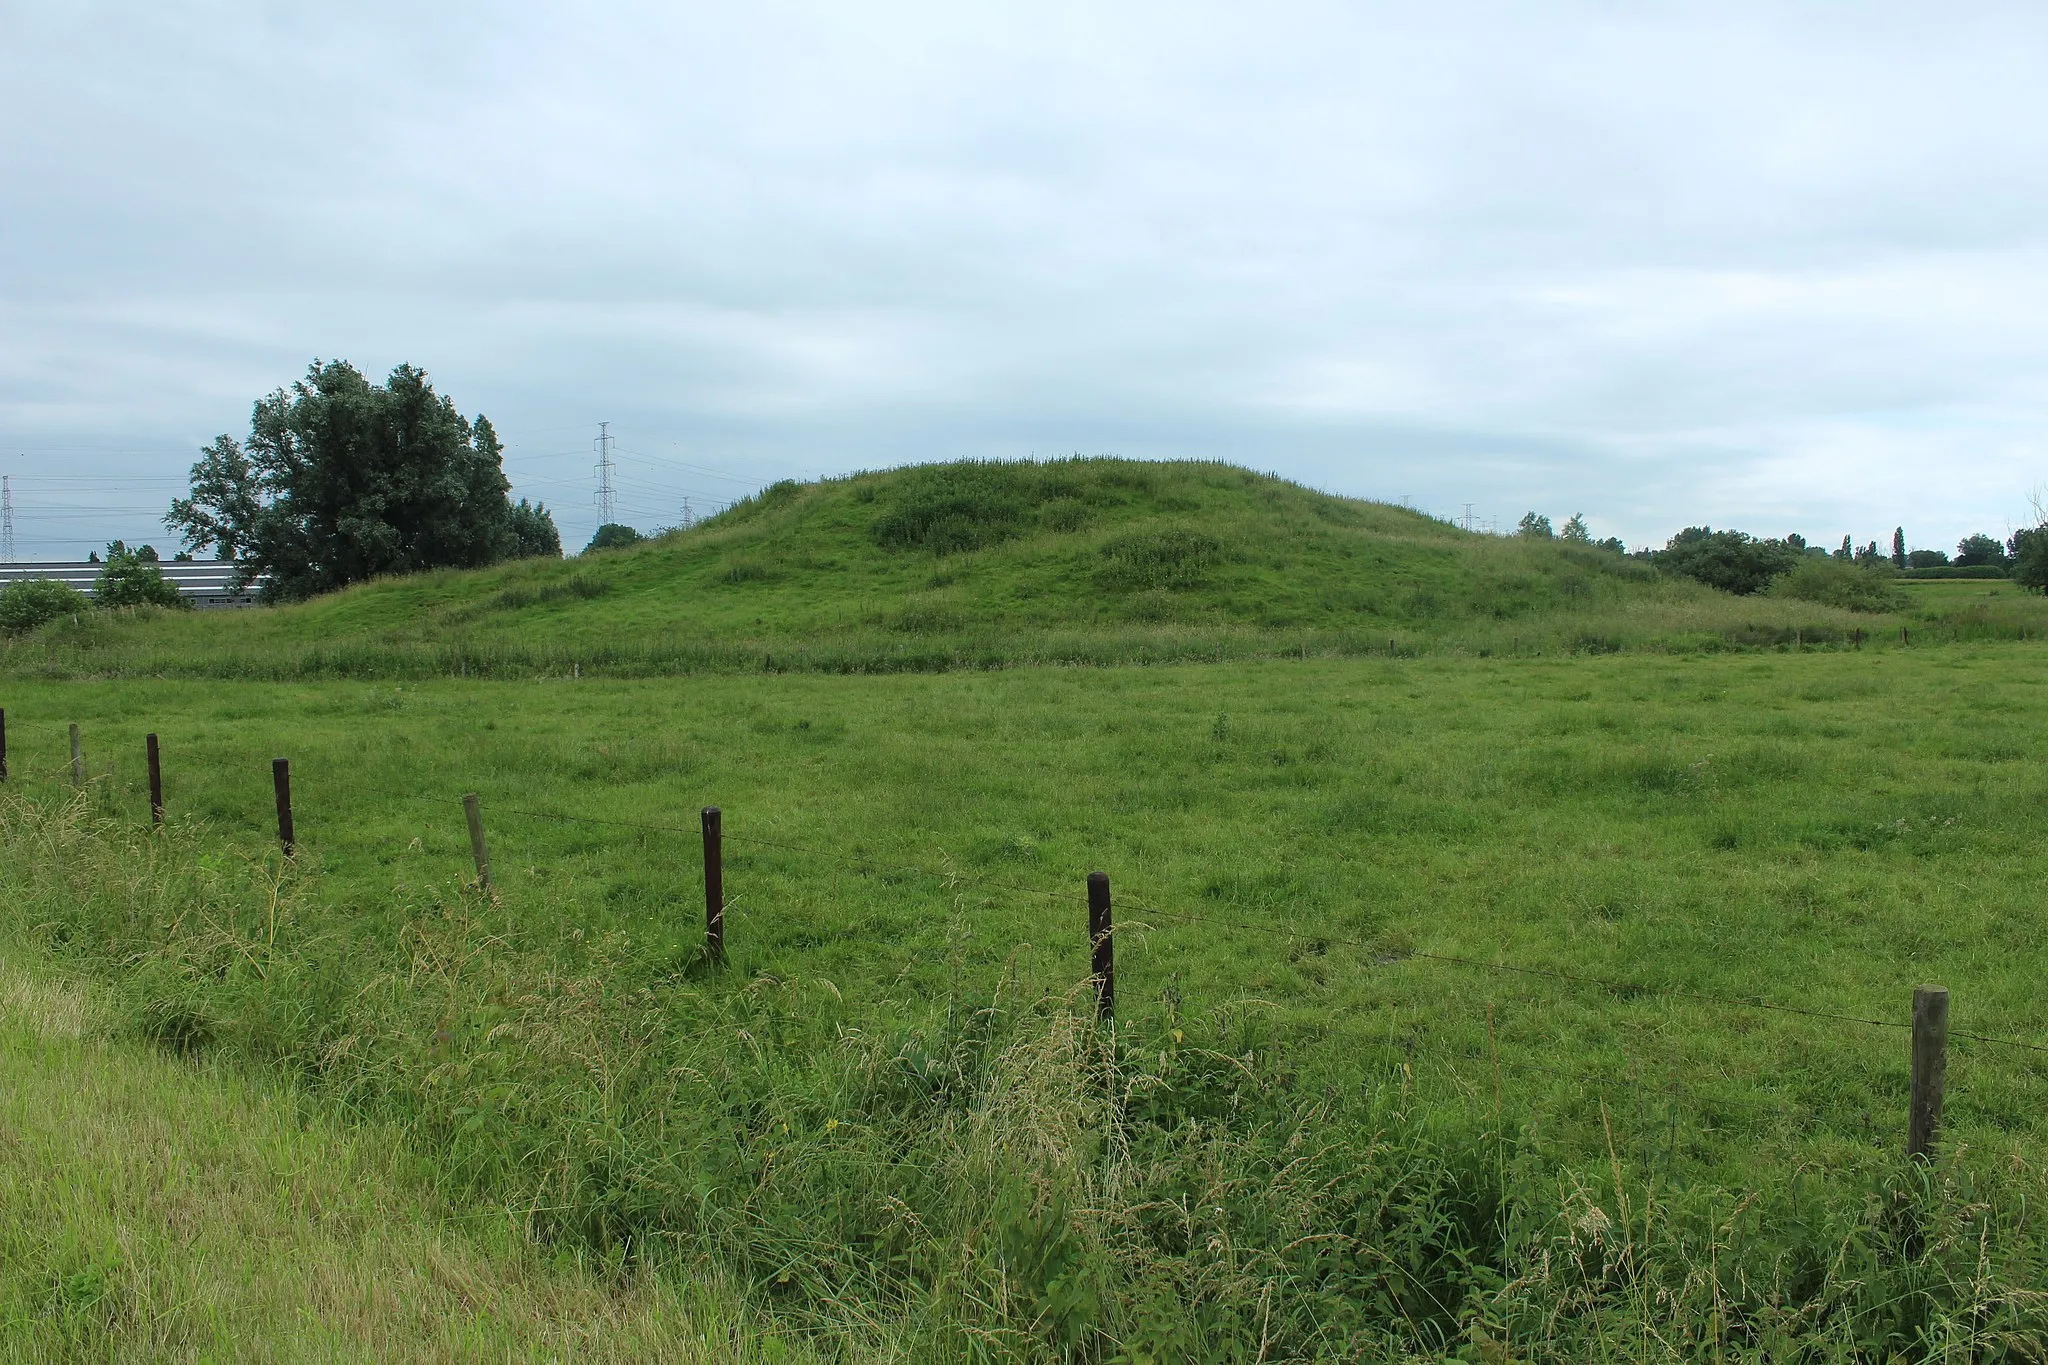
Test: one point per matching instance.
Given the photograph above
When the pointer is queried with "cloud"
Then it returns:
(1770, 266)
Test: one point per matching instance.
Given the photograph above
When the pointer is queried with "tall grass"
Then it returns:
(163, 1208)
(937, 637)
(996, 1178)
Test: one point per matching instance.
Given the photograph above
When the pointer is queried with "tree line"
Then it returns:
(341, 480)
(1737, 562)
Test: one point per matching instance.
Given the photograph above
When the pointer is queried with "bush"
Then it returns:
(949, 509)
(31, 602)
(1173, 559)
(1979, 571)
(1728, 560)
(1839, 583)
(131, 578)
(613, 536)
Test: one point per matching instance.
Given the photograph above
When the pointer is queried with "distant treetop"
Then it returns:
(613, 536)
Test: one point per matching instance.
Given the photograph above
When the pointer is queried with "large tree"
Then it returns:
(342, 480)
(1980, 549)
(2030, 558)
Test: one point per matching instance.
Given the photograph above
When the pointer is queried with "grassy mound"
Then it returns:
(969, 564)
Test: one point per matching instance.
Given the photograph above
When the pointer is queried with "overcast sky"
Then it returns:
(1777, 267)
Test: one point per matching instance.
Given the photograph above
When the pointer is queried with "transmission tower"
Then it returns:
(604, 473)
(6, 520)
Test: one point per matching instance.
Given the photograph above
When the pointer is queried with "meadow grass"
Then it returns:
(1305, 1139)
(163, 1208)
(976, 566)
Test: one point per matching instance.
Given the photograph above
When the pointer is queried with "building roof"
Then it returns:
(203, 581)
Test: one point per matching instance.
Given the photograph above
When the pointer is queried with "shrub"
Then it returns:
(1172, 559)
(745, 569)
(578, 586)
(31, 602)
(1064, 514)
(131, 578)
(1728, 560)
(1976, 571)
(1838, 583)
(613, 536)
(949, 509)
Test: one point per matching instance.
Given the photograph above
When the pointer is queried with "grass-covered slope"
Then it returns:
(969, 563)
(164, 1208)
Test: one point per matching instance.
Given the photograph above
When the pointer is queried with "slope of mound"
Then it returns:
(938, 565)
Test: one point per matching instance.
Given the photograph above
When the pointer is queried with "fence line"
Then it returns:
(1617, 986)
(1384, 955)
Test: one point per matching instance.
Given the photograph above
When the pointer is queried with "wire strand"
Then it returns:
(1384, 956)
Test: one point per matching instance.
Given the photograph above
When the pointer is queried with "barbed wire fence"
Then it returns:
(1928, 1025)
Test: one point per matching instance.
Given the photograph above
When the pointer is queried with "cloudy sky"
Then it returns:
(1778, 267)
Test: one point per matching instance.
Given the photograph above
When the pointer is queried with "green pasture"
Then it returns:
(1311, 1134)
(1823, 830)
(1815, 829)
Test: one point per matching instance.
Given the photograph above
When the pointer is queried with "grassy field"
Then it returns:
(976, 566)
(1514, 945)
(156, 1208)
(888, 1113)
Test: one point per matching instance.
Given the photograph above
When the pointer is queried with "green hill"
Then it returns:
(966, 564)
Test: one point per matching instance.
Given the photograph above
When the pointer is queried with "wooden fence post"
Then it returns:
(3, 744)
(281, 779)
(474, 814)
(714, 884)
(1102, 963)
(1930, 1069)
(156, 783)
(77, 758)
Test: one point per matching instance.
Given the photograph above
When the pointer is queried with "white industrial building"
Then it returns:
(202, 582)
